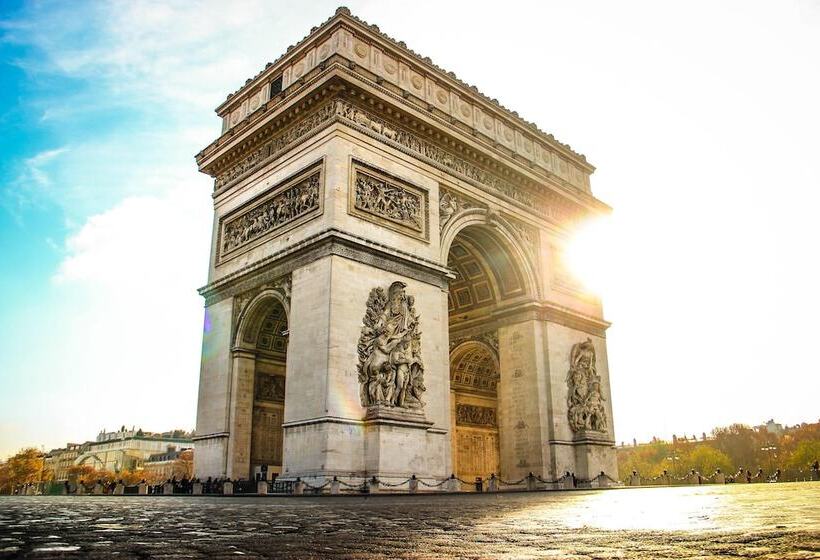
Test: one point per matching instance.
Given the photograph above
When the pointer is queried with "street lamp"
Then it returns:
(771, 451)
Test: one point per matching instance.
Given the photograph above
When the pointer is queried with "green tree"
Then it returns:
(705, 459)
(806, 453)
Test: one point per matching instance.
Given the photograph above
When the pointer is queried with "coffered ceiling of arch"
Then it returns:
(473, 368)
(271, 335)
(485, 274)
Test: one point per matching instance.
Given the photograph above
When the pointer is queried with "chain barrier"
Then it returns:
(507, 483)
(320, 487)
(396, 485)
(436, 485)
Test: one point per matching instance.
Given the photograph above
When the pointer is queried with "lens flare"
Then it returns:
(587, 253)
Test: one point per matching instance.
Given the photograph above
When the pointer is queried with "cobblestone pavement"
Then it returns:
(772, 521)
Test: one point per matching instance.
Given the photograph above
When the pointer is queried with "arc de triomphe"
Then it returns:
(386, 293)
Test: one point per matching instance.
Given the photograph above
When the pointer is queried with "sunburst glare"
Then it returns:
(587, 254)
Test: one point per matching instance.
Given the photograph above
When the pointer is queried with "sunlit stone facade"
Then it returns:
(386, 293)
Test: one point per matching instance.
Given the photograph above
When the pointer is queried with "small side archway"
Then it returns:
(260, 364)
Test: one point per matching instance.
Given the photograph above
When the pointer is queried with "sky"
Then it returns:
(702, 119)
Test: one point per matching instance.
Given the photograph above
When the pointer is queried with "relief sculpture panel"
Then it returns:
(270, 388)
(472, 415)
(286, 206)
(391, 201)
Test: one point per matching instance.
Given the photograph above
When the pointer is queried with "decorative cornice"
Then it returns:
(399, 51)
(409, 136)
(328, 242)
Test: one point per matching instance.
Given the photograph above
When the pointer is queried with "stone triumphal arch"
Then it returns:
(386, 293)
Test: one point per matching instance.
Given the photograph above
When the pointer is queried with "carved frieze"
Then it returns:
(473, 415)
(585, 401)
(456, 165)
(285, 205)
(272, 148)
(543, 204)
(391, 372)
(392, 202)
(270, 388)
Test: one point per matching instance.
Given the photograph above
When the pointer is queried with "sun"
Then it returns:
(587, 253)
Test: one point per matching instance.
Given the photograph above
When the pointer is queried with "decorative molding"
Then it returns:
(451, 203)
(281, 286)
(290, 203)
(490, 338)
(271, 149)
(586, 410)
(391, 373)
(426, 150)
(379, 197)
(473, 415)
(392, 62)
(529, 238)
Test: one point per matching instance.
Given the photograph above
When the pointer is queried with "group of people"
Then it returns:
(283, 208)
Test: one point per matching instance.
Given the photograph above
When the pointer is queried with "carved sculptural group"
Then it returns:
(391, 201)
(285, 207)
(391, 372)
(586, 408)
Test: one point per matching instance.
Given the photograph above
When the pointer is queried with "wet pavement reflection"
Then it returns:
(772, 521)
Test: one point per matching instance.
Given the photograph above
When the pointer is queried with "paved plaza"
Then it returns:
(773, 521)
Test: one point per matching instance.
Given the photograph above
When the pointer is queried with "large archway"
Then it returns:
(490, 276)
(263, 338)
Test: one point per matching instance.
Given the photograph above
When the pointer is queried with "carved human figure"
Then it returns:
(586, 410)
(390, 367)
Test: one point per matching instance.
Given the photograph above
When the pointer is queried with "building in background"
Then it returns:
(170, 464)
(116, 451)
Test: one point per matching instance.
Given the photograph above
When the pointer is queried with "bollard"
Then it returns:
(452, 484)
(603, 480)
(167, 489)
(720, 478)
(262, 487)
(373, 486)
(335, 486)
(531, 483)
(635, 479)
(119, 489)
(98, 489)
(414, 484)
(567, 482)
(492, 485)
(479, 484)
(227, 488)
(196, 488)
(298, 487)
